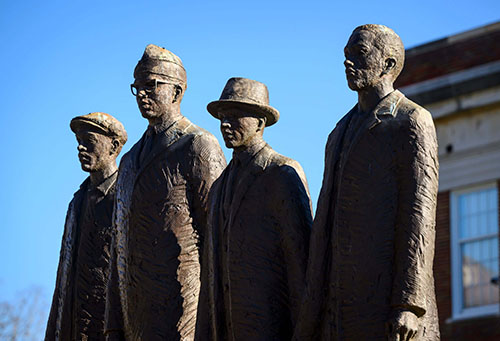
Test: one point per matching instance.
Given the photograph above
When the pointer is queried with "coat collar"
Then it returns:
(386, 106)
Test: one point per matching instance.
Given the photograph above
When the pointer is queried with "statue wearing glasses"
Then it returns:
(160, 212)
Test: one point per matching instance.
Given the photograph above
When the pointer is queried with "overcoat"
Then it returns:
(160, 214)
(372, 241)
(61, 322)
(255, 258)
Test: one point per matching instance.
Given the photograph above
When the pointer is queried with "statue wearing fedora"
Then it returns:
(256, 245)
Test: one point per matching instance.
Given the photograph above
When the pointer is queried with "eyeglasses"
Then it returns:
(148, 87)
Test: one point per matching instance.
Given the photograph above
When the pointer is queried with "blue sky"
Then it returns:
(61, 59)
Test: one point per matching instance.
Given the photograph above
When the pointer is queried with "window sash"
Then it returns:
(458, 309)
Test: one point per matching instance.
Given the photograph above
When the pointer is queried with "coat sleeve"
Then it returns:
(417, 178)
(113, 311)
(50, 332)
(295, 219)
(208, 162)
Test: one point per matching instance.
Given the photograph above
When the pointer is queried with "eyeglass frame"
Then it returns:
(149, 89)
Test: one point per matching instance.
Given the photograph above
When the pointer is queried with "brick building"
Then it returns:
(458, 80)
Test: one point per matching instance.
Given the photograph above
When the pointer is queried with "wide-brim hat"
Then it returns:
(246, 94)
(102, 122)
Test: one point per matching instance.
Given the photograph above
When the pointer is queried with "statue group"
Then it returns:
(174, 245)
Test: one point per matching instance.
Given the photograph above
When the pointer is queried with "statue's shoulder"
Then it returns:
(412, 113)
(282, 164)
(202, 142)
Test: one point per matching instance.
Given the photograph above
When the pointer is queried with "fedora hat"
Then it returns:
(247, 94)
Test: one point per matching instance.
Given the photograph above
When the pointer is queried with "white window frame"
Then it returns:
(458, 312)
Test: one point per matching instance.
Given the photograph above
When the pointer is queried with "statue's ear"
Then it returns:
(262, 123)
(116, 146)
(178, 93)
(389, 65)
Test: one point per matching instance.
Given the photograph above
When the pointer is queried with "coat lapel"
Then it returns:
(386, 106)
(248, 175)
(68, 253)
(165, 140)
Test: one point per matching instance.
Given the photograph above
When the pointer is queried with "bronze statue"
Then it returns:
(372, 243)
(160, 212)
(257, 242)
(77, 311)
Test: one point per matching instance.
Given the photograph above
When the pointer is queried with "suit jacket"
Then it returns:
(160, 214)
(255, 257)
(372, 241)
(64, 319)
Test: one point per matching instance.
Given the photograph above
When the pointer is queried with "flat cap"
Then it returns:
(106, 123)
(160, 61)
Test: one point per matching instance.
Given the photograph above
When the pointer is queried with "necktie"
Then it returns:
(147, 145)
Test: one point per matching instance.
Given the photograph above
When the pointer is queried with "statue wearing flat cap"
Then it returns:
(370, 271)
(78, 305)
(161, 211)
(256, 246)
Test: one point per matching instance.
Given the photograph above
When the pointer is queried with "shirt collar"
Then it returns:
(244, 156)
(106, 184)
(162, 126)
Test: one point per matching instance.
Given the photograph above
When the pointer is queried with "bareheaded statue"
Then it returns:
(161, 211)
(78, 305)
(370, 273)
(256, 245)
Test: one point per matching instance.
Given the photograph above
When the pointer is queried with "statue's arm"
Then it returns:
(293, 211)
(50, 332)
(417, 176)
(208, 162)
(113, 327)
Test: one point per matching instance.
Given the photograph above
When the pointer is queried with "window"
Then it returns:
(474, 251)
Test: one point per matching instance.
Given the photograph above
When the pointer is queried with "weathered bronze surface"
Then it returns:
(77, 311)
(257, 242)
(160, 212)
(372, 243)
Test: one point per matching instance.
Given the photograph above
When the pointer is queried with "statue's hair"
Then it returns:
(388, 42)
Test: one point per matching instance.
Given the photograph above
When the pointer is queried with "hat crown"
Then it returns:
(245, 90)
(153, 51)
(160, 61)
(105, 122)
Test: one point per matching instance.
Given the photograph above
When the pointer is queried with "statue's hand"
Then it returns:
(403, 326)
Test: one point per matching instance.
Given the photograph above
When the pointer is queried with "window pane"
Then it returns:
(478, 268)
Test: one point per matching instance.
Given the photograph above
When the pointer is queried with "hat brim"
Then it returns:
(272, 115)
(79, 124)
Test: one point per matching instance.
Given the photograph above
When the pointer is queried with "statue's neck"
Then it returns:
(369, 98)
(99, 176)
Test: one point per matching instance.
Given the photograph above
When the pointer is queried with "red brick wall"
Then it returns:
(487, 329)
(442, 262)
(448, 57)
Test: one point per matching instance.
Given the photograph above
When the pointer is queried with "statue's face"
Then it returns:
(364, 62)
(238, 128)
(95, 151)
(154, 98)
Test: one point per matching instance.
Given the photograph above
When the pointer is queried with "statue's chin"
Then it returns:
(86, 167)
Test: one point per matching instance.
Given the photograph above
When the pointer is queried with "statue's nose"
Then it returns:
(348, 63)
